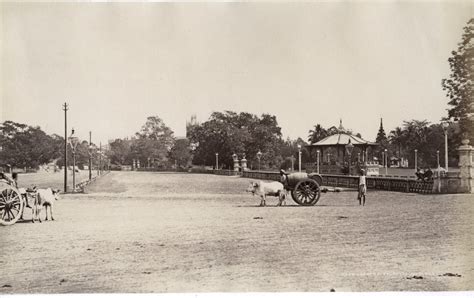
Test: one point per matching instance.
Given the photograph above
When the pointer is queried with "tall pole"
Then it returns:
(299, 158)
(65, 108)
(446, 149)
(100, 158)
(386, 161)
(350, 159)
(90, 155)
(217, 161)
(416, 159)
(317, 161)
(73, 169)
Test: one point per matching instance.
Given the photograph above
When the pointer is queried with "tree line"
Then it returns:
(25, 146)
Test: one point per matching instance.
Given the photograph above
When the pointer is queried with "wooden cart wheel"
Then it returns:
(306, 192)
(11, 205)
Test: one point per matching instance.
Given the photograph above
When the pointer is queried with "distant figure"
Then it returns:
(7, 179)
(428, 174)
(362, 188)
(420, 175)
(15, 179)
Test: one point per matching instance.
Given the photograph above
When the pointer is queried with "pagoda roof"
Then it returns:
(342, 139)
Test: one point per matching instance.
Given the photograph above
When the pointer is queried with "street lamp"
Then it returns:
(73, 141)
(445, 125)
(217, 161)
(259, 155)
(317, 161)
(416, 159)
(91, 152)
(90, 155)
(349, 148)
(386, 161)
(299, 157)
(437, 159)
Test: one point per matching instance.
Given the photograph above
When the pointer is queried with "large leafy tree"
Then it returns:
(181, 153)
(229, 132)
(26, 146)
(120, 152)
(459, 86)
(153, 143)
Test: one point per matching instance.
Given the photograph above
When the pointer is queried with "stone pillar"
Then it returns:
(243, 164)
(236, 162)
(466, 171)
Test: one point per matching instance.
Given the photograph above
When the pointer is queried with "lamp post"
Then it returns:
(349, 148)
(217, 161)
(90, 155)
(386, 161)
(445, 125)
(100, 158)
(416, 159)
(73, 141)
(437, 159)
(259, 155)
(317, 161)
(299, 157)
(65, 109)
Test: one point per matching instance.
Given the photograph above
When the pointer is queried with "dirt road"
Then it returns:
(160, 232)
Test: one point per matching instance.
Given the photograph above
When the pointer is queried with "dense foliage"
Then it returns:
(459, 86)
(229, 132)
(27, 146)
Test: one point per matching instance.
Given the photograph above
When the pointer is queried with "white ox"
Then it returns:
(264, 189)
(44, 197)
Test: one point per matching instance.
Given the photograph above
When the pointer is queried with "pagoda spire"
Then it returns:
(340, 128)
(381, 136)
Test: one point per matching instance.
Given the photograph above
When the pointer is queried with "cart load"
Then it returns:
(305, 188)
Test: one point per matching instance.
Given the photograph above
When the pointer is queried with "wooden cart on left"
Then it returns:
(12, 203)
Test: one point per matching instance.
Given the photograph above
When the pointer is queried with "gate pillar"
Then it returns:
(466, 170)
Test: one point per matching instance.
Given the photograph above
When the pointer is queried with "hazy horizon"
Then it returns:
(306, 63)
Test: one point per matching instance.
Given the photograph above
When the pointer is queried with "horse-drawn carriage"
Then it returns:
(305, 188)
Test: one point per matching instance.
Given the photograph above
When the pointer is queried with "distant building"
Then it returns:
(189, 124)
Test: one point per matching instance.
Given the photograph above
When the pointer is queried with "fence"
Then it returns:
(379, 183)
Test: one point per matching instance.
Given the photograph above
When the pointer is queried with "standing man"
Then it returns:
(362, 188)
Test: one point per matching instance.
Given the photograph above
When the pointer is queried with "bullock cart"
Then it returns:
(12, 202)
(305, 188)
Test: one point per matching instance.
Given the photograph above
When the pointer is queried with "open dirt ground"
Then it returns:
(164, 232)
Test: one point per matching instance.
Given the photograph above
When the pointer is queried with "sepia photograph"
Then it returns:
(237, 147)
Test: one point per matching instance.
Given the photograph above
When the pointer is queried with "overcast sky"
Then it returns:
(307, 63)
